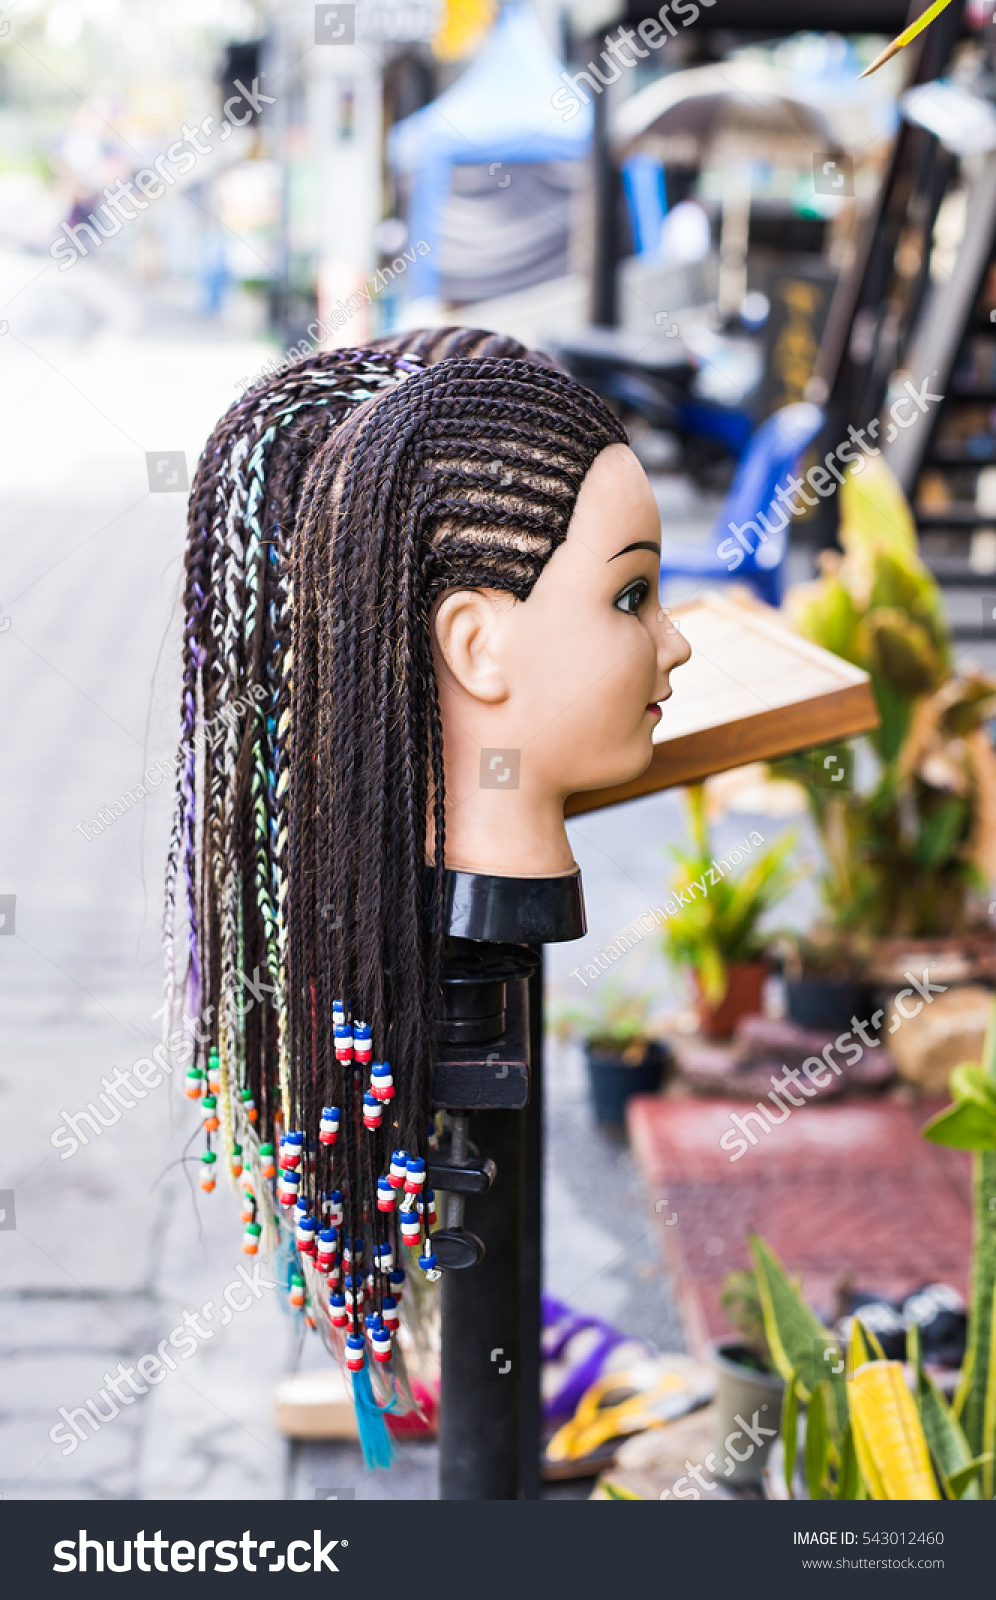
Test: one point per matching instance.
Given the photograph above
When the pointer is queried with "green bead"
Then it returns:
(209, 1158)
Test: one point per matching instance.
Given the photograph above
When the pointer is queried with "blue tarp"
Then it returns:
(500, 110)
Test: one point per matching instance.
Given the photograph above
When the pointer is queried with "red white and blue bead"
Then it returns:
(337, 1306)
(414, 1175)
(399, 1169)
(411, 1227)
(343, 1040)
(389, 1312)
(381, 1081)
(385, 1195)
(306, 1235)
(356, 1353)
(287, 1187)
(362, 1044)
(334, 1209)
(328, 1130)
(380, 1340)
(326, 1245)
(373, 1111)
(384, 1257)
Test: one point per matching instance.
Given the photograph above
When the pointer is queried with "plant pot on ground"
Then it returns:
(747, 1383)
(615, 1075)
(716, 933)
(905, 818)
(621, 1057)
(743, 997)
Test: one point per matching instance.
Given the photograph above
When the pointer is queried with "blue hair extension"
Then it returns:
(375, 1441)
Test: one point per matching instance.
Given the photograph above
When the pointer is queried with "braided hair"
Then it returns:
(403, 502)
(331, 506)
(229, 821)
(444, 344)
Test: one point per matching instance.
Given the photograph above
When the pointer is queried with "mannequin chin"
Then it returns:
(558, 693)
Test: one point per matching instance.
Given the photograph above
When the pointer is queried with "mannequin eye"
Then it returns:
(632, 597)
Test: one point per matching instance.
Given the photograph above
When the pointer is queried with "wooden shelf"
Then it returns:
(752, 691)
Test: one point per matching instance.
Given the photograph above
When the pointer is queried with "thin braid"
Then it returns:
(331, 506)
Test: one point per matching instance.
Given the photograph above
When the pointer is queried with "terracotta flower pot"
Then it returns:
(743, 998)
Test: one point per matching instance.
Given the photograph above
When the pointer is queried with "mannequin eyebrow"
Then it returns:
(642, 544)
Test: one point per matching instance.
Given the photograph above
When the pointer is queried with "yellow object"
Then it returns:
(888, 1438)
(621, 1402)
(906, 37)
(465, 22)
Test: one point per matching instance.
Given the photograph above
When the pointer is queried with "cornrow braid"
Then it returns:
(465, 475)
(444, 344)
(229, 823)
(332, 504)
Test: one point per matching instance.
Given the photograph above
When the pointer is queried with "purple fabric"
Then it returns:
(565, 1402)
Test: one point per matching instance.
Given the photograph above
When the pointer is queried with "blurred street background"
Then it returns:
(674, 219)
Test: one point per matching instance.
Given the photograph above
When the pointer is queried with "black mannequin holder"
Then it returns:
(489, 1067)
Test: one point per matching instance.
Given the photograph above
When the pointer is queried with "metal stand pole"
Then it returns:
(480, 1434)
(532, 1244)
(488, 1077)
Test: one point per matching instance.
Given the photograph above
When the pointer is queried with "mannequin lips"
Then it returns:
(655, 710)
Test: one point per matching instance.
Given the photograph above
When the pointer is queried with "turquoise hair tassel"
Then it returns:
(375, 1441)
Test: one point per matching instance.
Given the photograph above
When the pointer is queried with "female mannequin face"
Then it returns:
(566, 684)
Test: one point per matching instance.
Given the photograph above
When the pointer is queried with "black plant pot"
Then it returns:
(614, 1080)
(826, 1005)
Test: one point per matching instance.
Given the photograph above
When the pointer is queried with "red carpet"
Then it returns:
(836, 1190)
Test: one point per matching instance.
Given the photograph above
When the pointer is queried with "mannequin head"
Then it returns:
(406, 566)
(568, 682)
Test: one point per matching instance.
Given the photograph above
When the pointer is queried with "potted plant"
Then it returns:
(716, 933)
(748, 1381)
(867, 1433)
(906, 819)
(621, 1057)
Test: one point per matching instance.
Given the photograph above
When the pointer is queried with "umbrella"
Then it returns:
(747, 104)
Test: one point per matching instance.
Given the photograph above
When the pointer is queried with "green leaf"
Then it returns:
(817, 1444)
(965, 1478)
(796, 1337)
(968, 1126)
(790, 1431)
(874, 1345)
(948, 1446)
(849, 1485)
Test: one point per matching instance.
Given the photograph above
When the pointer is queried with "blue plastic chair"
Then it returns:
(749, 539)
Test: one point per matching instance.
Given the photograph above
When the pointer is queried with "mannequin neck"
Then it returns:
(505, 833)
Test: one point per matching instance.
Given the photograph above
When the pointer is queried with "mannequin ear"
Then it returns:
(468, 628)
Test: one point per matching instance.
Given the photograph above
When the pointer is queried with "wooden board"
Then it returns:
(753, 690)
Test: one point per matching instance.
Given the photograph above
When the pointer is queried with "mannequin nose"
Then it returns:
(673, 649)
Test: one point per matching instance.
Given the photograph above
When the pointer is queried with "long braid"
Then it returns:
(330, 508)
(401, 503)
